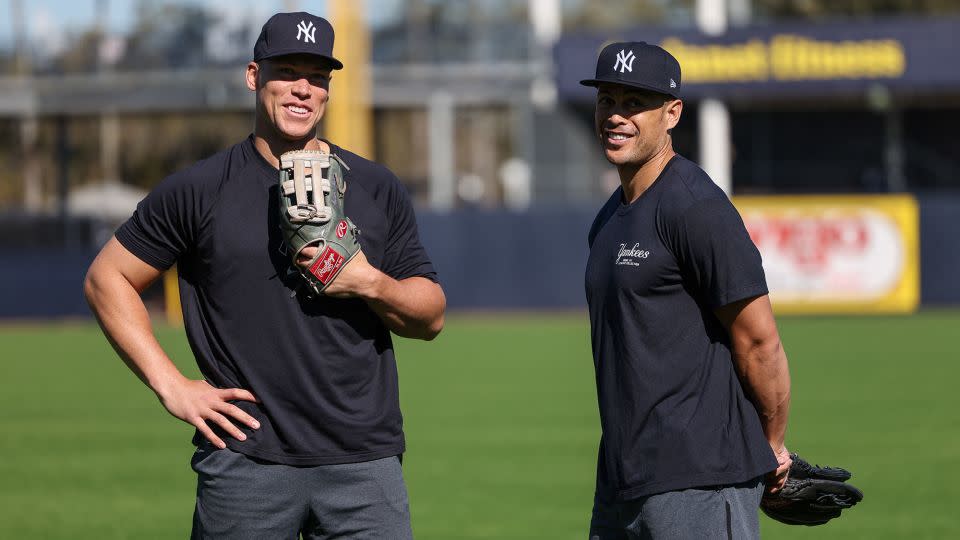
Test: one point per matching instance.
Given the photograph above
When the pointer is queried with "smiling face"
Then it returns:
(292, 93)
(633, 124)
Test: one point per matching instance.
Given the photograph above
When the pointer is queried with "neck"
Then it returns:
(637, 178)
(271, 147)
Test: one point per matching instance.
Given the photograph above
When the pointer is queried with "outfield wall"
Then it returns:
(487, 259)
(940, 250)
(501, 259)
(40, 284)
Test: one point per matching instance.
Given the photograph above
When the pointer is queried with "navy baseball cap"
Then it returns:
(640, 65)
(296, 33)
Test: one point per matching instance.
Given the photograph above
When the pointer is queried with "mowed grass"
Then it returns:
(501, 429)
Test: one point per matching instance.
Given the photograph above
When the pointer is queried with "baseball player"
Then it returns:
(298, 425)
(692, 380)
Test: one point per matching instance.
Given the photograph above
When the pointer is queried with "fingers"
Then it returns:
(306, 255)
(237, 393)
(784, 456)
(776, 479)
(785, 462)
(239, 414)
(227, 426)
(208, 433)
(778, 482)
(221, 408)
(202, 405)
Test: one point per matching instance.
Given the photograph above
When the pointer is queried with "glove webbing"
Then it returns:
(303, 172)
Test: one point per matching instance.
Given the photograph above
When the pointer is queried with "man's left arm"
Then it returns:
(411, 307)
(761, 365)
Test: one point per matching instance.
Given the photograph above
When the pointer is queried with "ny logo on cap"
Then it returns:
(624, 61)
(308, 31)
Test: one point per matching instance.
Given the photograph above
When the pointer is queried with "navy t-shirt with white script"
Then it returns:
(673, 413)
(323, 369)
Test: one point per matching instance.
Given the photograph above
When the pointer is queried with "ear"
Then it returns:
(253, 70)
(672, 110)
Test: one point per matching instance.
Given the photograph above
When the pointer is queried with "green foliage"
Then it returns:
(501, 427)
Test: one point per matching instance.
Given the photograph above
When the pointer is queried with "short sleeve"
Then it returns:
(604, 215)
(404, 255)
(716, 253)
(165, 223)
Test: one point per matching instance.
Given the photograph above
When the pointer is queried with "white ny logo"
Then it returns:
(624, 61)
(308, 31)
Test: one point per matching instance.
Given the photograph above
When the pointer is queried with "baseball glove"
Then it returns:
(812, 495)
(311, 214)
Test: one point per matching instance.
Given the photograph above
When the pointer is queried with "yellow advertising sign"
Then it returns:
(837, 254)
(788, 57)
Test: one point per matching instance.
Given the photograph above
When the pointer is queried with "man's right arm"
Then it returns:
(112, 287)
(761, 365)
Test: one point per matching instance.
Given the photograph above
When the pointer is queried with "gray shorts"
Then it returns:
(243, 498)
(712, 513)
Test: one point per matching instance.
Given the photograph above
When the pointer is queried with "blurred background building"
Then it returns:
(475, 105)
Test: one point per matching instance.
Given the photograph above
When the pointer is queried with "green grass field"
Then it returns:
(501, 426)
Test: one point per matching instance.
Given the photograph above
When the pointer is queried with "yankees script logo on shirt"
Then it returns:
(631, 256)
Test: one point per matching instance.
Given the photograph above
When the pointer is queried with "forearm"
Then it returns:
(125, 322)
(764, 374)
(113, 286)
(413, 307)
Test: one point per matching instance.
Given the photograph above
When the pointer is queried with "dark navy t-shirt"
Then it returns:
(322, 368)
(673, 413)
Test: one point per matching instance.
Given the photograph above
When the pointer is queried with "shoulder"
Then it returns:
(204, 178)
(686, 186)
(603, 216)
(375, 178)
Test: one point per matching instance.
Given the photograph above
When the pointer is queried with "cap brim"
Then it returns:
(597, 82)
(334, 63)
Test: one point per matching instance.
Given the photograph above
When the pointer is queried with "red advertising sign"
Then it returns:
(836, 254)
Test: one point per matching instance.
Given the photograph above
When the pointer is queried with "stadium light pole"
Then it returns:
(29, 125)
(713, 127)
(517, 173)
(349, 116)
(546, 23)
(109, 120)
(441, 133)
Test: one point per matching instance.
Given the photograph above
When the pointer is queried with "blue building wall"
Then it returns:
(487, 259)
(503, 259)
(939, 249)
(41, 284)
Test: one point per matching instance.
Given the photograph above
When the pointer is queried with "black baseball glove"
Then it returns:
(812, 495)
(311, 214)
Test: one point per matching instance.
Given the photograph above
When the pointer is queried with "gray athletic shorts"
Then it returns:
(240, 498)
(712, 513)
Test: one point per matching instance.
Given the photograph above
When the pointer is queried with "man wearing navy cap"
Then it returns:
(692, 380)
(298, 424)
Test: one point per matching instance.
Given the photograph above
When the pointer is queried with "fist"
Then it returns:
(777, 478)
(306, 255)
